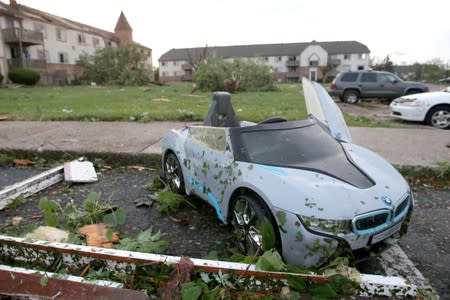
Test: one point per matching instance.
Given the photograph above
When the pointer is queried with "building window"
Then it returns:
(174, 73)
(362, 56)
(40, 28)
(43, 55)
(95, 42)
(292, 69)
(174, 63)
(60, 34)
(347, 56)
(81, 39)
(292, 58)
(313, 63)
(333, 57)
(266, 59)
(360, 68)
(279, 58)
(63, 57)
(163, 63)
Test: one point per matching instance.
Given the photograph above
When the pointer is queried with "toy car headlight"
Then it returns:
(325, 225)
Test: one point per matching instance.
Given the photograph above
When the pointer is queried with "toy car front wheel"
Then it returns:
(173, 173)
(247, 216)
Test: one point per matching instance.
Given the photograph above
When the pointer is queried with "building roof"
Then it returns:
(122, 23)
(339, 47)
(20, 11)
(25, 12)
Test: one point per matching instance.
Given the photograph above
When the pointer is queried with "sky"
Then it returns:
(408, 31)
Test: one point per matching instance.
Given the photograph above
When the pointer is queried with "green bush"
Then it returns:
(213, 74)
(24, 76)
(1, 78)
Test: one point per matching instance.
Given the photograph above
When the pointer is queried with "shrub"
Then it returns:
(1, 78)
(215, 74)
(24, 76)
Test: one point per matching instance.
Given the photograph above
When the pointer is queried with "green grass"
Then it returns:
(152, 103)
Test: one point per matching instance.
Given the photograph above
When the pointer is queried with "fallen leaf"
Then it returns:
(96, 235)
(23, 162)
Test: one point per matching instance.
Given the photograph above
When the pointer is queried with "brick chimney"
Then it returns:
(123, 30)
(13, 4)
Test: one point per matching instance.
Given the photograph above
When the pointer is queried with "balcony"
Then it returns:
(334, 62)
(186, 77)
(292, 74)
(27, 37)
(186, 67)
(292, 63)
(36, 64)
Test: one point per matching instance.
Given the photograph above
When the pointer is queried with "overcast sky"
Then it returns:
(408, 31)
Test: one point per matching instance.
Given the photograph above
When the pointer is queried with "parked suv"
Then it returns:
(350, 87)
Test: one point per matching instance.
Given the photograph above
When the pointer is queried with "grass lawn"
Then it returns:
(152, 103)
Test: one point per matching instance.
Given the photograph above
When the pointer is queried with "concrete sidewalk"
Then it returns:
(413, 147)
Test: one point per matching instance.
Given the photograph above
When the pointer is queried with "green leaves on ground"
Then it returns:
(268, 235)
(169, 201)
(92, 211)
(270, 261)
(146, 241)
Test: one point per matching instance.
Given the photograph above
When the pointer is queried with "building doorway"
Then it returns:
(313, 74)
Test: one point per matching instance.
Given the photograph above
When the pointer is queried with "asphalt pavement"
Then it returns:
(400, 146)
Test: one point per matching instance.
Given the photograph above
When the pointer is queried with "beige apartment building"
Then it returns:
(51, 45)
(289, 62)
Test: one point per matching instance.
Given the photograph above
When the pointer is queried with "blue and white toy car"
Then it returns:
(319, 191)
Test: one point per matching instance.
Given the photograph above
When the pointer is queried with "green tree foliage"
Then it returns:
(211, 73)
(116, 66)
(215, 74)
(385, 65)
(430, 71)
(24, 76)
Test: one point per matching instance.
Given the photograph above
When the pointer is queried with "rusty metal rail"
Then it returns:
(72, 256)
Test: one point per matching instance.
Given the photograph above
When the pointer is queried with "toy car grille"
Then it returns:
(402, 208)
(372, 221)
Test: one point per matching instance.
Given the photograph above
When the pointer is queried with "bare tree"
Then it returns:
(192, 61)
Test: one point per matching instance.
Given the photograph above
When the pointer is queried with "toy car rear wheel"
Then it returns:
(173, 173)
(247, 216)
(351, 97)
(439, 117)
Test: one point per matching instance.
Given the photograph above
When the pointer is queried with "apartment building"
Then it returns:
(289, 62)
(51, 45)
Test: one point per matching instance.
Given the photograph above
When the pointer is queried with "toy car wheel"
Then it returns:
(173, 173)
(351, 97)
(439, 117)
(247, 215)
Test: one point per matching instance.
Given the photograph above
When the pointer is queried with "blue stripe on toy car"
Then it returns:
(211, 197)
(274, 170)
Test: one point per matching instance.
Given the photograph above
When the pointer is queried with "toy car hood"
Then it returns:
(320, 105)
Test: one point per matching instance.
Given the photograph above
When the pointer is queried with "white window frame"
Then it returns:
(61, 34)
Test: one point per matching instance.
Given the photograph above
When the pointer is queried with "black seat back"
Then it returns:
(221, 112)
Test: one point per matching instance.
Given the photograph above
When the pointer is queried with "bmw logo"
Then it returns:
(386, 200)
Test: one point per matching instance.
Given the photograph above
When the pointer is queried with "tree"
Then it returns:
(430, 71)
(117, 66)
(385, 65)
(215, 74)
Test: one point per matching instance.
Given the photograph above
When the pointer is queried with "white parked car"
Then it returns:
(432, 108)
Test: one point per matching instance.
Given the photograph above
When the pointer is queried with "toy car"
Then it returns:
(319, 191)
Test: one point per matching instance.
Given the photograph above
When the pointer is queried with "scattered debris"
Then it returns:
(3, 118)
(47, 233)
(99, 235)
(67, 111)
(30, 186)
(16, 221)
(80, 172)
(23, 162)
(160, 100)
